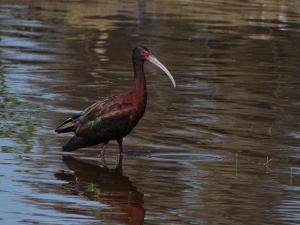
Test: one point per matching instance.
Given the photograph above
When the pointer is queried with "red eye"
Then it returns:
(146, 54)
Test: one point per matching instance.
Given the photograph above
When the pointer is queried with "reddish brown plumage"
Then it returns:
(114, 117)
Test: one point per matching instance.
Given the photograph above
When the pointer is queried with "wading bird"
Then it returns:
(114, 117)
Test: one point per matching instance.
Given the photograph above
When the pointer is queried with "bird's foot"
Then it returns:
(101, 158)
(101, 155)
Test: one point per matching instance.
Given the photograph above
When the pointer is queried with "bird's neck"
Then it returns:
(139, 88)
(139, 76)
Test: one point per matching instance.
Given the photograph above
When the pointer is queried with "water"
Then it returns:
(223, 148)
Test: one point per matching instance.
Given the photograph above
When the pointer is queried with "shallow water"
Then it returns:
(223, 148)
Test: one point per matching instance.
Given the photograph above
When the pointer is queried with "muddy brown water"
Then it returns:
(223, 148)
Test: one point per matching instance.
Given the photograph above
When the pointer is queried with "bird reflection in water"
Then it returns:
(110, 186)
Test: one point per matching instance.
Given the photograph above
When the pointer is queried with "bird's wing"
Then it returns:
(91, 112)
(109, 120)
(69, 125)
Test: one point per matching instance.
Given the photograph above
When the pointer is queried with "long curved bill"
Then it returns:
(156, 62)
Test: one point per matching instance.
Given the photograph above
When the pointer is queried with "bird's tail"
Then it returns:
(67, 126)
(73, 144)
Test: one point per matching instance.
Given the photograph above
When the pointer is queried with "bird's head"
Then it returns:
(143, 54)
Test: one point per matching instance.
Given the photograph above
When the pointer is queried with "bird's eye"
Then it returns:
(146, 49)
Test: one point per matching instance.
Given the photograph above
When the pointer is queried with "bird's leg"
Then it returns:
(102, 151)
(77, 184)
(119, 164)
(120, 141)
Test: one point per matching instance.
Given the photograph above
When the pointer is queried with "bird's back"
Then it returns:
(111, 119)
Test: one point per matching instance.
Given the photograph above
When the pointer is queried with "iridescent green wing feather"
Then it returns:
(91, 112)
(108, 122)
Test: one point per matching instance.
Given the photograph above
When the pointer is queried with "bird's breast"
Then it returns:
(140, 105)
